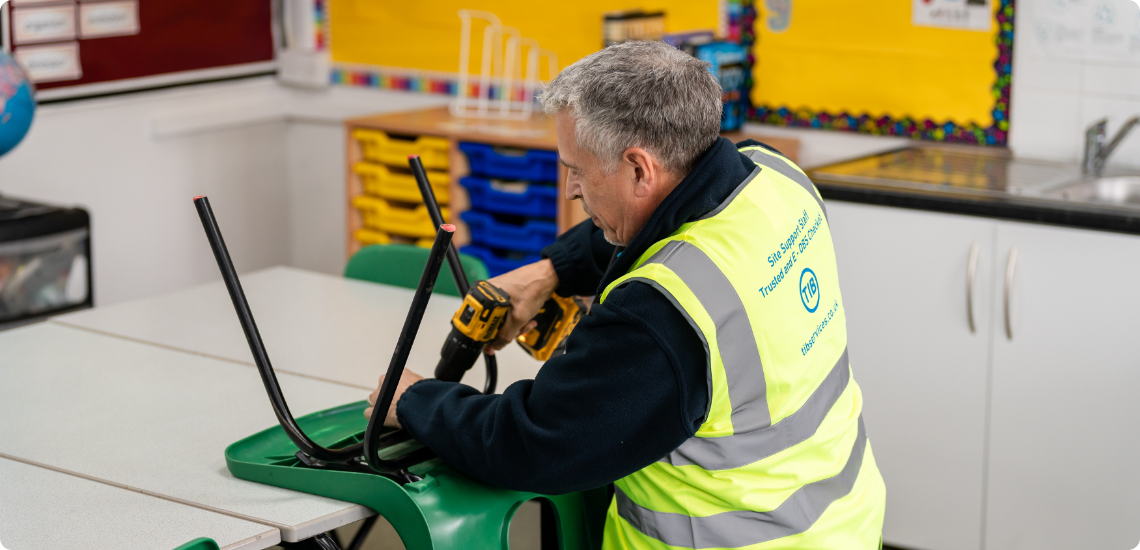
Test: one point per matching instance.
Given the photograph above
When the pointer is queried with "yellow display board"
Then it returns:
(425, 35)
(838, 59)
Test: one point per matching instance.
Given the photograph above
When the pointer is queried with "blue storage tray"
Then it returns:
(519, 198)
(499, 262)
(531, 236)
(491, 162)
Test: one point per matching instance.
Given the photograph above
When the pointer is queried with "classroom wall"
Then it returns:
(103, 155)
(1057, 94)
(270, 159)
(426, 35)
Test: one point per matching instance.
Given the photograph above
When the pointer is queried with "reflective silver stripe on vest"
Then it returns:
(747, 392)
(770, 161)
(742, 449)
(738, 528)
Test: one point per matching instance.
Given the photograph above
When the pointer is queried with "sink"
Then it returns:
(1124, 190)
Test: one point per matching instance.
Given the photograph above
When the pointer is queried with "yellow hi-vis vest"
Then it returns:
(782, 458)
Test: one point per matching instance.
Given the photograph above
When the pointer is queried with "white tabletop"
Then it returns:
(315, 325)
(42, 509)
(154, 420)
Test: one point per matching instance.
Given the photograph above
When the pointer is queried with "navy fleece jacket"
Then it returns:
(629, 390)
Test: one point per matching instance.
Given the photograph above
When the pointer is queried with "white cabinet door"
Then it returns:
(1065, 424)
(923, 372)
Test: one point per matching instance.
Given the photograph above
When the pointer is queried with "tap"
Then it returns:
(1096, 151)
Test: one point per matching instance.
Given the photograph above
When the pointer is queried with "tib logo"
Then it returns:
(809, 290)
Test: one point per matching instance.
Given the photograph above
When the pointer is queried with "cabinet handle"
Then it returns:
(1010, 268)
(971, 272)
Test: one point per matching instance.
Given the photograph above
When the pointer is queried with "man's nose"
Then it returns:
(573, 189)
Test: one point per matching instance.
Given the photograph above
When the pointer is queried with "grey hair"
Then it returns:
(640, 94)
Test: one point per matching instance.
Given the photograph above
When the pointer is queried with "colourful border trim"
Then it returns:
(320, 24)
(389, 78)
(948, 131)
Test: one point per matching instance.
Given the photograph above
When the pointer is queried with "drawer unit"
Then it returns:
(370, 236)
(399, 185)
(511, 164)
(380, 147)
(518, 198)
(530, 236)
(396, 218)
(500, 261)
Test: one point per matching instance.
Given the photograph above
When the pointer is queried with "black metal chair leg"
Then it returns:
(326, 542)
(320, 542)
(365, 529)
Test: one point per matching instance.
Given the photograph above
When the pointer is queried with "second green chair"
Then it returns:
(402, 264)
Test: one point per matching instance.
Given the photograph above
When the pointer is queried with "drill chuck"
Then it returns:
(475, 324)
(458, 355)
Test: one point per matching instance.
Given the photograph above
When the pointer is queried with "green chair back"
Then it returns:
(199, 544)
(403, 264)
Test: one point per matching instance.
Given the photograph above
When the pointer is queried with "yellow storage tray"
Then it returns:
(380, 181)
(368, 236)
(377, 146)
(395, 218)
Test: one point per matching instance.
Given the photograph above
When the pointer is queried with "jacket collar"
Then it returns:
(717, 174)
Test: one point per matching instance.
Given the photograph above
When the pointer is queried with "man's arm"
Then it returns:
(572, 266)
(630, 389)
(580, 257)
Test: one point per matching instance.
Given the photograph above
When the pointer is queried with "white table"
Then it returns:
(154, 420)
(315, 325)
(42, 509)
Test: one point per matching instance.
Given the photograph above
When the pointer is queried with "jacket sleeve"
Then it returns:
(580, 257)
(630, 389)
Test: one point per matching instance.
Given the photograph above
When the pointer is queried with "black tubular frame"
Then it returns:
(404, 348)
(374, 433)
(457, 271)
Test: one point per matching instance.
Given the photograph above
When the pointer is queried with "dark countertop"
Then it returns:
(979, 182)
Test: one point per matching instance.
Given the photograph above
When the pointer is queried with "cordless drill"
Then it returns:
(485, 307)
(479, 319)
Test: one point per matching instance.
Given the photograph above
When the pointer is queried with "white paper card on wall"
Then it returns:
(46, 24)
(100, 19)
(31, 2)
(1088, 30)
(50, 62)
(970, 15)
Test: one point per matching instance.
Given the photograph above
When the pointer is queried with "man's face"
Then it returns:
(604, 197)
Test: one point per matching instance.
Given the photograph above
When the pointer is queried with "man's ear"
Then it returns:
(646, 171)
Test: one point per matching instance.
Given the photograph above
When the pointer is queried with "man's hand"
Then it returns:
(406, 380)
(529, 287)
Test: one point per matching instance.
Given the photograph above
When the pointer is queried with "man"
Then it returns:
(710, 381)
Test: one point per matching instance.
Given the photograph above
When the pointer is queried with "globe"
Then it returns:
(16, 104)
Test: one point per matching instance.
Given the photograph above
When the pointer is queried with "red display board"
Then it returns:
(174, 36)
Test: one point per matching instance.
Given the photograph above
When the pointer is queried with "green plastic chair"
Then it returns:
(402, 264)
(199, 544)
(445, 510)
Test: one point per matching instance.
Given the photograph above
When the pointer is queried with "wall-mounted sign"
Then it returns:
(50, 62)
(1104, 29)
(43, 24)
(971, 15)
(99, 19)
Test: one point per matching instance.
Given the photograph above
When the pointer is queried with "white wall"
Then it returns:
(1060, 89)
(270, 159)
